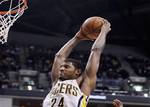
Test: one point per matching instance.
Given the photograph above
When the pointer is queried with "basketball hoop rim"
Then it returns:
(16, 10)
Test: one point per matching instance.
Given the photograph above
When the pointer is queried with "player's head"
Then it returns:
(70, 69)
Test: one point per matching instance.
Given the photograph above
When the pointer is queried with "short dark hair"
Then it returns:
(77, 63)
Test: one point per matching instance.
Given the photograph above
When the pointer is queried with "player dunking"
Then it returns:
(71, 87)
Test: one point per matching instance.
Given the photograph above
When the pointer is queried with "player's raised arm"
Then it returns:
(63, 53)
(94, 58)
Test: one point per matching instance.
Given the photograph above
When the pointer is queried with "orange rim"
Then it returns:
(16, 10)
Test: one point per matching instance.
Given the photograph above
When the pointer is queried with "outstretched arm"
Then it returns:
(92, 66)
(63, 53)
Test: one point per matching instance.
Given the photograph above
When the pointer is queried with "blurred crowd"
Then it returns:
(29, 68)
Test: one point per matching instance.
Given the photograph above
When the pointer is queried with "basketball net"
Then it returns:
(8, 17)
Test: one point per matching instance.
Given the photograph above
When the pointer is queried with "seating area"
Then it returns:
(29, 68)
(140, 66)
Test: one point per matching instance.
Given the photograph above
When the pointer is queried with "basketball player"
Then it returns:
(72, 87)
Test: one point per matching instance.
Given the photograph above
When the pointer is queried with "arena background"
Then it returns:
(25, 60)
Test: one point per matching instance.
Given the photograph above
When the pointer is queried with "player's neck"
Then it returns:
(62, 79)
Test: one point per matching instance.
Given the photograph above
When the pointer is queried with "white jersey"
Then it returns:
(65, 94)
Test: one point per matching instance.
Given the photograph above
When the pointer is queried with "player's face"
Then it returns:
(68, 71)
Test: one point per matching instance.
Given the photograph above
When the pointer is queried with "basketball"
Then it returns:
(91, 27)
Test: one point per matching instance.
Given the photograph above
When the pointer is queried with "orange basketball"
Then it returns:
(91, 27)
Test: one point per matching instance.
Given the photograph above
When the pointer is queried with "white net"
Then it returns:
(7, 18)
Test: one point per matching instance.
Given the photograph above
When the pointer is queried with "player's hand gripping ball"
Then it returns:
(91, 27)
